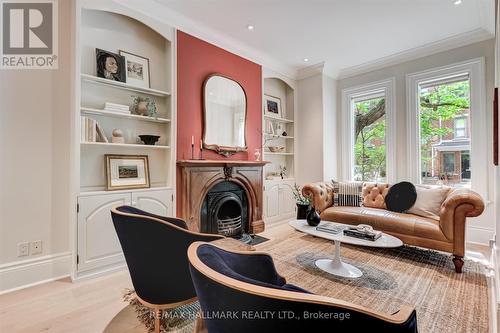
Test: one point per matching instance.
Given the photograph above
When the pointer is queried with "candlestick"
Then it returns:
(192, 140)
(201, 149)
(192, 147)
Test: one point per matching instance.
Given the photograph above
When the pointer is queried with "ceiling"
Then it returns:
(347, 35)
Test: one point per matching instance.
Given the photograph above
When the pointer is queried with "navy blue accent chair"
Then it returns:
(155, 249)
(234, 288)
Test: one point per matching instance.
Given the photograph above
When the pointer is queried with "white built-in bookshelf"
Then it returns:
(111, 26)
(114, 32)
(279, 89)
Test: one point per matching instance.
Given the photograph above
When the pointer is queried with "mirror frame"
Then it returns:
(223, 150)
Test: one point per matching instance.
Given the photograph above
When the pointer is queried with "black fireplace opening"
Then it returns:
(225, 211)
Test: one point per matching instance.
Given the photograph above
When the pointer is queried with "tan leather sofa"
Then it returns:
(446, 234)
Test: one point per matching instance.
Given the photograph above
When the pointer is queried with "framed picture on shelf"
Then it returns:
(126, 172)
(137, 69)
(110, 65)
(272, 106)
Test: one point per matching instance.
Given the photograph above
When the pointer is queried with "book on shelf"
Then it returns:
(116, 106)
(91, 131)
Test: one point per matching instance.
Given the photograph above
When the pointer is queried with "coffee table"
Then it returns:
(336, 266)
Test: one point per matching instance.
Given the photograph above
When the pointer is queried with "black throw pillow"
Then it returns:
(401, 197)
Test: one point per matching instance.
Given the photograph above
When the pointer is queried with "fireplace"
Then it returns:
(221, 196)
(225, 211)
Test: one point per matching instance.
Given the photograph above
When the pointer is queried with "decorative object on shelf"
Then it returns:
(126, 171)
(283, 171)
(273, 176)
(280, 130)
(91, 131)
(117, 136)
(137, 69)
(149, 140)
(101, 136)
(276, 149)
(110, 65)
(272, 106)
(303, 203)
(284, 133)
(145, 106)
(313, 218)
(222, 94)
(257, 154)
(270, 128)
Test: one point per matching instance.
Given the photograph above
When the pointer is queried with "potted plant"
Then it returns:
(302, 202)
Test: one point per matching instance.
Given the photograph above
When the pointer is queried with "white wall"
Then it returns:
(330, 129)
(34, 168)
(479, 229)
(310, 130)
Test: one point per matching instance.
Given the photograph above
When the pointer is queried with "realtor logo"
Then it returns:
(29, 34)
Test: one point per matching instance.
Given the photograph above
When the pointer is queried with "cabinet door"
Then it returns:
(271, 195)
(98, 244)
(159, 202)
(286, 199)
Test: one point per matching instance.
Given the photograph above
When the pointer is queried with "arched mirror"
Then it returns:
(225, 111)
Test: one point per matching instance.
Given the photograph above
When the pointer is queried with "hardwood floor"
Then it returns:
(88, 306)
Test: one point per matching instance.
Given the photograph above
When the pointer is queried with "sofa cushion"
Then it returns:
(401, 197)
(386, 221)
(429, 200)
(347, 194)
(374, 194)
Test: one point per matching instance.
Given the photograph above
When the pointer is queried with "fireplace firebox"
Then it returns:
(225, 211)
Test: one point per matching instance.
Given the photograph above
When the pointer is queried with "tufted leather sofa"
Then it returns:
(446, 234)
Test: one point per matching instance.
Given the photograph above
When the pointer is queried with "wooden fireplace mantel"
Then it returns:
(219, 163)
(199, 176)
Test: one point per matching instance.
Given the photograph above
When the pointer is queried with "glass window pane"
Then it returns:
(444, 136)
(369, 135)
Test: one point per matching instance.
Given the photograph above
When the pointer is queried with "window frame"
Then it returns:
(474, 68)
(386, 87)
(455, 136)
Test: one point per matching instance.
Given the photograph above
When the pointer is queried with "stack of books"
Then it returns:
(120, 108)
(91, 131)
(363, 233)
(330, 228)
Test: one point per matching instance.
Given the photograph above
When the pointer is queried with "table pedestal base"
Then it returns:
(335, 266)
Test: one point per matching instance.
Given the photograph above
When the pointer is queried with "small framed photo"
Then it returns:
(126, 172)
(137, 69)
(272, 106)
(110, 65)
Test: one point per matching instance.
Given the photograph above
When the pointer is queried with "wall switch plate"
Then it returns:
(36, 247)
(23, 249)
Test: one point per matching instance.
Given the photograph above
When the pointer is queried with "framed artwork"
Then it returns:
(110, 65)
(137, 69)
(126, 171)
(272, 106)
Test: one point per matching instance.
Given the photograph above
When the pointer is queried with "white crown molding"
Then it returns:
(309, 71)
(162, 13)
(450, 43)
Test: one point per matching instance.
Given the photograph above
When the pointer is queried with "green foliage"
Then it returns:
(299, 198)
(438, 103)
(369, 148)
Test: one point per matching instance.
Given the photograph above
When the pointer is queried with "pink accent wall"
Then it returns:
(196, 59)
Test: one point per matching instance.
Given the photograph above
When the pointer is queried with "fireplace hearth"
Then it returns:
(225, 211)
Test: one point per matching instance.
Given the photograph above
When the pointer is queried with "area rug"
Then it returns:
(445, 301)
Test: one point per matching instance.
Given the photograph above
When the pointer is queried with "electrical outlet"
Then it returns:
(23, 249)
(36, 247)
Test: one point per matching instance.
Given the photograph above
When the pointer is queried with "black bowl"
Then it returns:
(149, 140)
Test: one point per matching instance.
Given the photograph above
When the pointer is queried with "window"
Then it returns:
(460, 127)
(444, 102)
(445, 126)
(448, 163)
(369, 124)
(369, 138)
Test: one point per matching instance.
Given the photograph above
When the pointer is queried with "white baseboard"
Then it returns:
(479, 235)
(495, 290)
(27, 273)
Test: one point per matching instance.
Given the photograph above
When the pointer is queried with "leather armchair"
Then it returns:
(447, 234)
(242, 292)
